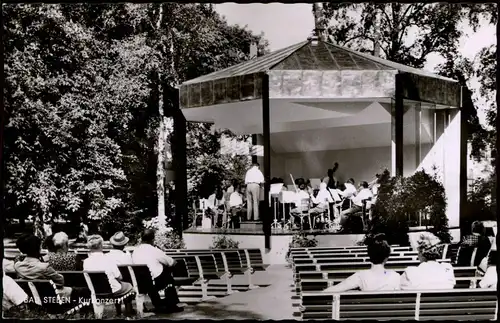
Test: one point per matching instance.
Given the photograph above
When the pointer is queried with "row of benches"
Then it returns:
(196, 267)
(318, 268)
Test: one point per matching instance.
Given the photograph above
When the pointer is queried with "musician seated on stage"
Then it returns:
(300, 196)
(309, 187)
(237, 205)
(350, 189)
(357, 202)
(321, 202)
(215, 207)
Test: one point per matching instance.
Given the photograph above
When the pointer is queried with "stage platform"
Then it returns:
(198, 238)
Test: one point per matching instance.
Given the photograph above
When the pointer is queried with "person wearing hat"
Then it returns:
(117, 255)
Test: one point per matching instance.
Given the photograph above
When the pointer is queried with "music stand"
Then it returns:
(275, 189)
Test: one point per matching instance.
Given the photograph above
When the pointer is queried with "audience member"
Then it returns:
(97, 261)
(215, 206)
(60, 259)
(377, 278)
(236, 206)
(475, 240)
(430, 274)
(33, 268)
(490, 278)
(253, 180)
(13, 294)
(8, 266)
(117, 255)
(159, 265)
(48, 244)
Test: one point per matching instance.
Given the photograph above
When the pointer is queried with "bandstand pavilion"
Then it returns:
(314, 103)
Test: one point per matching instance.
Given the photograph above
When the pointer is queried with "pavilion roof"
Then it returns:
(308, 56)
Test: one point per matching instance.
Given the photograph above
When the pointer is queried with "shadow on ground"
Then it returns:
(213, 310)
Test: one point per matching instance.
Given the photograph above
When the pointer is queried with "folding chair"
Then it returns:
(304, 212)
(200, 210)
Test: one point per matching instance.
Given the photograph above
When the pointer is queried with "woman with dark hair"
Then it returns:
(377, 277)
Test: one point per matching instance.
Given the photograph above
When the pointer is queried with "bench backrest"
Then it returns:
(74, 278)
(467, 304)
(142, 275)
(191, 265)
(339, 274)
(346, 260)
(233, 260)
(99, 281)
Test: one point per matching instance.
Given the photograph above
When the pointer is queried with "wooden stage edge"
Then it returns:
(274, 232)
(197, 238)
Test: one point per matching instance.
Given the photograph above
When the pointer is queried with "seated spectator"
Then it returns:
(97, 261)
(48, 244)
(13, 294)
(237, 206)
(377, 278)
(8, 266)
(117, 255)
(61, 259)
(215, 207)
(490, 278)
(430, 274)
(475, 240)
(159, 265)
(33, 268)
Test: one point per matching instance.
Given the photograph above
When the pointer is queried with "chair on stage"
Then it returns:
(305, 207)
(200, 210)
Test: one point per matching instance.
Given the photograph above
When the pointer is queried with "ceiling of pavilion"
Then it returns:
(304, 70)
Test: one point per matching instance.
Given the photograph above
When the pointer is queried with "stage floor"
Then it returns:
(274, 232)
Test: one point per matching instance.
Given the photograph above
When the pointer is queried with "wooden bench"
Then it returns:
(466, 304)
(317, 285)
(43, 293)
(465, 276)
(100, 290)
(348, 260)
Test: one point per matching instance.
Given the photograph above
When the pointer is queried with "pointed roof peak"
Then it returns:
(313, 54)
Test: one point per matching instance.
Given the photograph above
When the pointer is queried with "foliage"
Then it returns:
(301, 240)
(399, 197)
(224, 242)
(434, 28)
(165, 237)
(481, 203)
(82, 99)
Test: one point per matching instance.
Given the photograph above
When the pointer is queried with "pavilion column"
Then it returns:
(266, 124)
(399, 113)
(179, 159)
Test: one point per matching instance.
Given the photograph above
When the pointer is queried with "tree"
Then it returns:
(82, 90)
(60, 84)
(433, 27)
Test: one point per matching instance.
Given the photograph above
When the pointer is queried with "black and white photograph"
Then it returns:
(249, 161)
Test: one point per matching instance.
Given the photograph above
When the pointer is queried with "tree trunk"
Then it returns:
(160, 166)
(319, 21)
